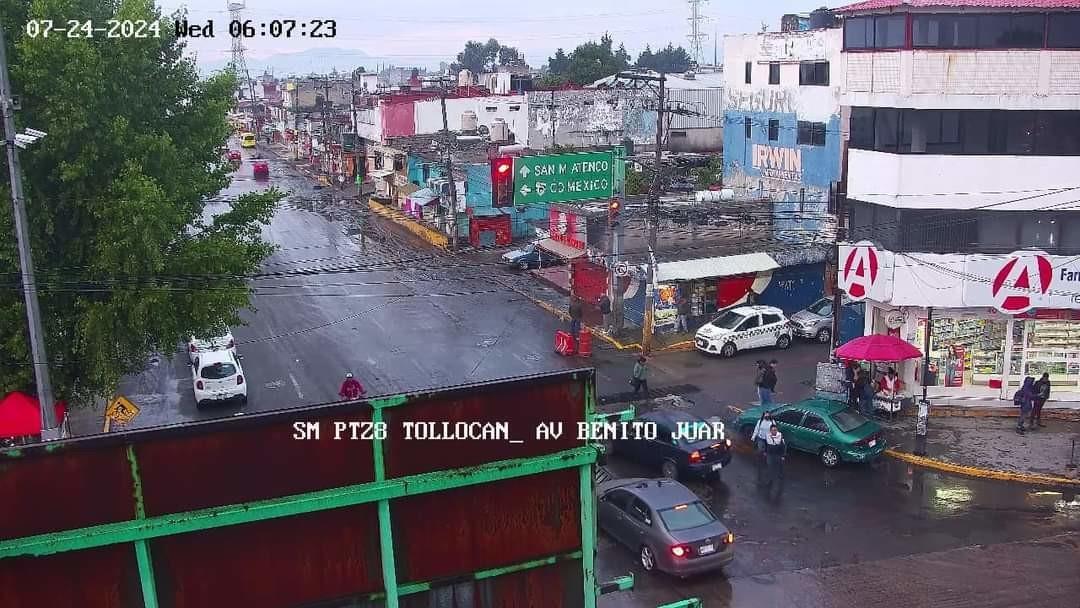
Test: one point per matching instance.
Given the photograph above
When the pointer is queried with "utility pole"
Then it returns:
(49, 427)
(449, 172)
(838, 296)
(325, 127)
(551, 108)
(652, 217)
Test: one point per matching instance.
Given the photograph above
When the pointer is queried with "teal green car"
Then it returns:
(829, 429)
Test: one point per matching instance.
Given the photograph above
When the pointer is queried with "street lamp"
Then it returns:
(49, 428)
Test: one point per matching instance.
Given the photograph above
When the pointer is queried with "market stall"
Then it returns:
(882, 352)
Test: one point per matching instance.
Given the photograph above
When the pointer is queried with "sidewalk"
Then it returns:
(992, 449)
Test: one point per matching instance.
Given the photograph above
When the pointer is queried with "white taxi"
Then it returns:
(218, 377)
(744, 328)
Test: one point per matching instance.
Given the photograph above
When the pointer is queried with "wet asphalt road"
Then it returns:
(400, 318)
(889, 535)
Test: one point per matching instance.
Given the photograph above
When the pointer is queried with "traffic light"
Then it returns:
(502, 182)
(613, 210)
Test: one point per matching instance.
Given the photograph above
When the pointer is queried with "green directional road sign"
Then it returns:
(562, 178)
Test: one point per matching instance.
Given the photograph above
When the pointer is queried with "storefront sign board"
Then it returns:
(1012, 284)
(561, 178)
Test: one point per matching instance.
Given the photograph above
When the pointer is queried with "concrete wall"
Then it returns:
(921, 181)
(589, 118)
(992, 79)
(696, 140)
(511, 108)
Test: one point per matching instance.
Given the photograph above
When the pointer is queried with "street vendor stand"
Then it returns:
(881, 349)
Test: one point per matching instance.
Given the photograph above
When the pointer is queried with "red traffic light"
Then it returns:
(502, 181)
(614, 206)
(503, 166)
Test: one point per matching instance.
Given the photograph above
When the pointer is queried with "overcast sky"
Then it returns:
(427, 31)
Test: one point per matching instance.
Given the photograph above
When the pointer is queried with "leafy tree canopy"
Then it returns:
(589, 62)
(479, 57)
(669, 60)
(130, 256)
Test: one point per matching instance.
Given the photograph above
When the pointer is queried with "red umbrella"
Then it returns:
(20, 415)
(878, 348)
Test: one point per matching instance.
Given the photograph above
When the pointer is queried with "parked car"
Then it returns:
(223, 340)
(815, 321)
(672, 452)
(666, 524)
(743, 328)
(218, 377)
(531, 257)
(829, 429)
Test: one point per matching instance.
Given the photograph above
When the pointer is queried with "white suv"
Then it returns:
(218, 377)
(742, 328)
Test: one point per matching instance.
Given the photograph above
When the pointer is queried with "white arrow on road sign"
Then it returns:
(540, 187)
(525, 191)
(524, 171)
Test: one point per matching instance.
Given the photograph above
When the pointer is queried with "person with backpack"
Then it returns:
(1042, 393)
(1025, 400)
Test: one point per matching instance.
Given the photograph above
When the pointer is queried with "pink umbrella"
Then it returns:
(20, 415)
(878, 348)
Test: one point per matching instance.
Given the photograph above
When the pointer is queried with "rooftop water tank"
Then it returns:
(500, 131)
(468, 121)
(822, 18)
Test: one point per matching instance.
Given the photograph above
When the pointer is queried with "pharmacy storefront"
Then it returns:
(993, 318)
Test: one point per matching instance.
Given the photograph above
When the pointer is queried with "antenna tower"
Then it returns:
(239, 64)
(696, 35)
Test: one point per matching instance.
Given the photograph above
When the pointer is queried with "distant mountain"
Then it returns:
(318, 61)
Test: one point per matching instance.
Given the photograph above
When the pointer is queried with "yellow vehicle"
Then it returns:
(247, 140)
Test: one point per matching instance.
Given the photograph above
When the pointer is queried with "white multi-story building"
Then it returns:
(963, 158)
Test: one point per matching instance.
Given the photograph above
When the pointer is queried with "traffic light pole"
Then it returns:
(615, 320)
(652, 217)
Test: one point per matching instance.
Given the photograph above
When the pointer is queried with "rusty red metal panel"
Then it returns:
(524, 405)
(459, 531)
(102, 578)
(278, 563)
(45, 492)
(556, 586)
(245, 464)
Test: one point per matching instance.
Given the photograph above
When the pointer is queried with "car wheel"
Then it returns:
(648, 560)
(669, 469)
(728, 350)
(830, 457)
(783, 342)
(824, 336)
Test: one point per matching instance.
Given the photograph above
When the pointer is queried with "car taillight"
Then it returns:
(680, 550)
(729, 538)
(695, 456)
(239, 379)
(232, 343)
(192, 348)
(199, 385)
(727, 442)
(865, 441)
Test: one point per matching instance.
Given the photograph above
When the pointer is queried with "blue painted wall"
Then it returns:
(478, 196)
(852, 319)
(793, 288)
(795, 200)
(415, 167)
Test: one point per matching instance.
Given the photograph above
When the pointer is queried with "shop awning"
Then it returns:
(723, 266)
(380, 173)
(562, 250)
(423, 197)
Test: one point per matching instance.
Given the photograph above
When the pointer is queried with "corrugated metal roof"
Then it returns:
(873, 5)
(560, 249)
(723, 266)
(708, 103)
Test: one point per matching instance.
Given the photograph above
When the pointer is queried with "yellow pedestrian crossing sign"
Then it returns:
(121, 410)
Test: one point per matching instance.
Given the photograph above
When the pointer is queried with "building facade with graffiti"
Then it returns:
(782, 123)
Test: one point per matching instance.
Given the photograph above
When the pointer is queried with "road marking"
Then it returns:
(296, 385)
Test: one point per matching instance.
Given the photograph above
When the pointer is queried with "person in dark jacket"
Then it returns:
(768, 382)
(605, 310)
(1025, 400)
(683, 319)
(1042, 393)
(864, 391)
(577, 311)
(851, 372)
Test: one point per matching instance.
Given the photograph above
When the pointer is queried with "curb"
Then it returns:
(432, 237)
(960, 411)
(948, 467)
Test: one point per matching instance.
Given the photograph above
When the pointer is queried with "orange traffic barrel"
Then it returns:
(585, 343)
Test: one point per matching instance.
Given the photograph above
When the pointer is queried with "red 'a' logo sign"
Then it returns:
(859, 272)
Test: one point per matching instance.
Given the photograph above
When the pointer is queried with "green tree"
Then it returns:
(130, 256)
(712, 174)
(590, 61)
(669, 60)
(636, 182)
